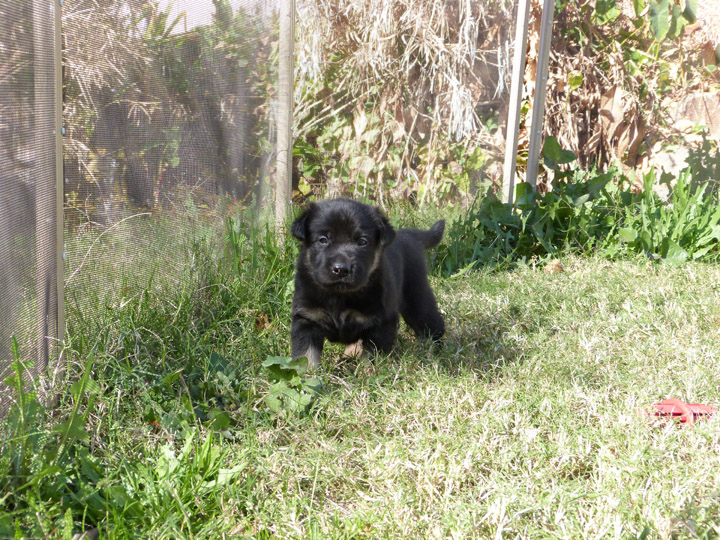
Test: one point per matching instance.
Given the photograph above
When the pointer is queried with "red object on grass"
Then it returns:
(684, 412)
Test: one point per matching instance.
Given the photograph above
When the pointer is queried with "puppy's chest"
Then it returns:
(341, 321)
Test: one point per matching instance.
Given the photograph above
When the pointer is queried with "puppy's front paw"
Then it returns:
(356, 350)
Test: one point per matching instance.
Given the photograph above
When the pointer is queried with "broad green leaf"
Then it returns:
(277, 388)
(575, 80)
(169, 379)
(677, 23)
(220, 420)
(313, 384)
(714, 234)
(596, 184)
(675, 254)
(73, 428)
(293, 400)
(554, 155)
(627, 235)
(606, 11)
(280, 367)
(7, 526)
(217, 362)
(690, 11)
(581, 200)
(84, 386)
(639, 6)
(274, 403)
(702, 252)
(300, 365)
(524, 195)
(660, 18)
(224, 477)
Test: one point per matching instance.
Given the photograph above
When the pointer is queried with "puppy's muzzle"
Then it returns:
(340, 267)
(340, 270)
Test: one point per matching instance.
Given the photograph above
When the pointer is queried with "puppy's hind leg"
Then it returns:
(421, 313)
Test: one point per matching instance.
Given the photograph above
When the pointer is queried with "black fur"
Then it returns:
(356, 275)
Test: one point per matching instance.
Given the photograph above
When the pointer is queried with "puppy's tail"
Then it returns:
(432, 236)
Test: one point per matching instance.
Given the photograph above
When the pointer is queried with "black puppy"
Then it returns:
(356, 275)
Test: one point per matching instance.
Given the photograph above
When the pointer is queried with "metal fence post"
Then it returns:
(44, 150)
(516, 87)
(283, 179)
(536, 127)
(59, 186)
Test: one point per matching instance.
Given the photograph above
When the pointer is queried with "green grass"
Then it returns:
(527, 424)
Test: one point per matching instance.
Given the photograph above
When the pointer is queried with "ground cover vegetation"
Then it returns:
(527, 423)
(183, 418)
(568, 313)
(591, 212)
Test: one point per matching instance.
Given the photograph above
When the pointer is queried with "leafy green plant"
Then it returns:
(618, 62)
(261, 261)
(173, 482)
(688, 228)
(42, 463)
(667, 18)
(704, 161)
(585, 212)
(292, 392)
(209, 392)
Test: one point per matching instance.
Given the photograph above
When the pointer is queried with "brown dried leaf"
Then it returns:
(262, 321)
(708, 54)
(611, 112)
(630, 138)
(554, 267)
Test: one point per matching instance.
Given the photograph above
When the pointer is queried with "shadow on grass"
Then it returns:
(483, 345)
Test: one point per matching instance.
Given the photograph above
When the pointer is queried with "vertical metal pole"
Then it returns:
(44, 147)
(548, 13)
(283, 180)
(59, 185)
(513, 120)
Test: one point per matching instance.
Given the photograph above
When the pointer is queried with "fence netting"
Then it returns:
(170, 116)
(28, 216)
(169, 113)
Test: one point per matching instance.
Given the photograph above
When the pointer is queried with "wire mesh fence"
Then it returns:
(28, 215)
(169, 126)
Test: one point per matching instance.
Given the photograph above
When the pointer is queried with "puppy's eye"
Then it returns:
(362, 241)
(323, 240)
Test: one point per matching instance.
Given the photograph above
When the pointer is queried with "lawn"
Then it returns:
(528, 423)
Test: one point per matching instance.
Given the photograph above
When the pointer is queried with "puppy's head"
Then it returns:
(343, 241)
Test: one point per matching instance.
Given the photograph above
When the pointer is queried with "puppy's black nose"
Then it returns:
(340, 269)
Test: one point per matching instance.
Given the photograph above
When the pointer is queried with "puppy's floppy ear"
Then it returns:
(387, 233)
(299, 228)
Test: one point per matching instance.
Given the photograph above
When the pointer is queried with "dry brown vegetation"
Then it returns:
(419, 78)
(624, 107)
(398, 83)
